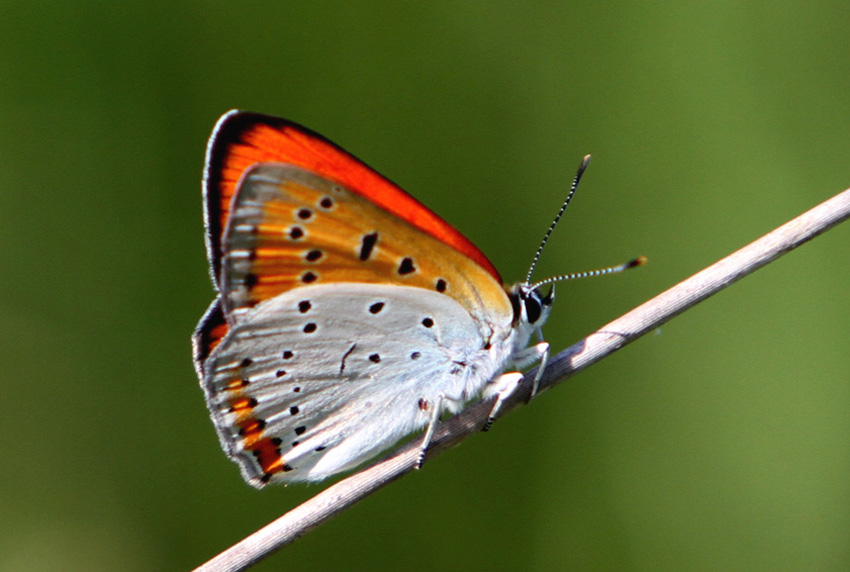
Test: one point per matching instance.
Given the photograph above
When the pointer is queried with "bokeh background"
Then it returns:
(720, 443)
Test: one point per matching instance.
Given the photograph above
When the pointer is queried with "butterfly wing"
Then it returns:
(298, 257)
(241, 139)
(319, 379)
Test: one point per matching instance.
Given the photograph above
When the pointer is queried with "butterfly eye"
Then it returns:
(532, 308)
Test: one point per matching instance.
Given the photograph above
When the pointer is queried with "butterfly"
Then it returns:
(348, 314)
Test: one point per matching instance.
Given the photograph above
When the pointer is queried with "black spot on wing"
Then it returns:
(367, 245)
(313, 255)
(406, 266)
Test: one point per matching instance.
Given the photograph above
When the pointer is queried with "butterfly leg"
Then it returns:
(502, 387)
(537, 352)
(542, 350)
(436, 407)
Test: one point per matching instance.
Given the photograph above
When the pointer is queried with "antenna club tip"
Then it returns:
(639, 261)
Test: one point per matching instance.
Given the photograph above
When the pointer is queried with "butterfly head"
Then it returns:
(531, 306)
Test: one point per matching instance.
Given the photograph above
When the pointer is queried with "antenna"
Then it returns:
(584, 163)
(639, 261)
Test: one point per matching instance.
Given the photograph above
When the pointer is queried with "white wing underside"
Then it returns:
(342, 371)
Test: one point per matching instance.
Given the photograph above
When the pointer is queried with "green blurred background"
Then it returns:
(721, 443)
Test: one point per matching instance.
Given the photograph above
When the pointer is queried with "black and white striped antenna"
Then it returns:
(639, 261)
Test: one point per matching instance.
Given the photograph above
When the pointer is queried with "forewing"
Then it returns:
(241, 139)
